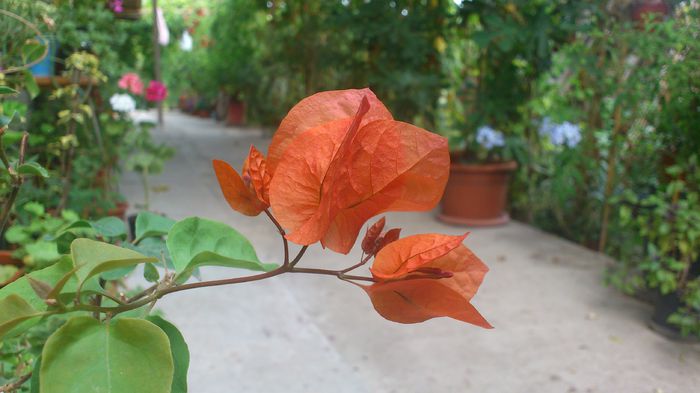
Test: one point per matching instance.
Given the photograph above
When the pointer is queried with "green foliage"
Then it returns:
(667, 253)
(272, 54)
(92, 257)
(514, 43)
(121, 356)
(149, 225)
(195, 242)
(36, 234)
(179, 350)
(15, 310)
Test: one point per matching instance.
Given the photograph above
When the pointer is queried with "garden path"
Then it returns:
(557, 327)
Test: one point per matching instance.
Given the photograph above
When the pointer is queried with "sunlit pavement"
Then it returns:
(557, 327)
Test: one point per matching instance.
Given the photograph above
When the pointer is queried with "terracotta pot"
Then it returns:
(119, 210)
(6, 259)
(658, 9)
(236, 113)
(476, 194)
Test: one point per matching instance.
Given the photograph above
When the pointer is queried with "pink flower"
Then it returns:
(116, 6)
(156, 91)
(130, 81)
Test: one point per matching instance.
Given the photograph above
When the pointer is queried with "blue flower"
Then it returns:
(566, 133)
(489, 138)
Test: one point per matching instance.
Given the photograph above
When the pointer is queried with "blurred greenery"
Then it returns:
(627, 81)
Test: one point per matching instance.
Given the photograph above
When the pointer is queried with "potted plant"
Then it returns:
(477, 190)
(668, 224)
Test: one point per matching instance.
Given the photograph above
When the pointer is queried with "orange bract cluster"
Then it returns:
(339, 158)
(426, 276)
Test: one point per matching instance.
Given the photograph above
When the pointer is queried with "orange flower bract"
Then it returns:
(336, 175)
(248, 194)
(427, 276)
(338, 159)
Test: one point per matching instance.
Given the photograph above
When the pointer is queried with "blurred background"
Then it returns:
(574, 129)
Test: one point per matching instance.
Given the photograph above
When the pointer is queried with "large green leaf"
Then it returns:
(58, 273)
(179, 351)
(15, 310)
(150, 224)
(23, 288)
(124, 356)
(109, 227)
(195, 242)
(93, 257)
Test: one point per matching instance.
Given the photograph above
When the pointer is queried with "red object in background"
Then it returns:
(7, 259)
(476, 194)
(642, 9)
(236, 113)
(156, 91)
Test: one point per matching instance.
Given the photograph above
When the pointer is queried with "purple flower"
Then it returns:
(489, 138)
(564, 134)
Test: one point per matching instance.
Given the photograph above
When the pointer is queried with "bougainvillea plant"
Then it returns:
(337, 160)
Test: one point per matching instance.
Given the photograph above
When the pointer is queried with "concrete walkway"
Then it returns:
(557, 327)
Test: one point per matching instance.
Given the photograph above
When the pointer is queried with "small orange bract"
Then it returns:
(427, 276)
(249, 194)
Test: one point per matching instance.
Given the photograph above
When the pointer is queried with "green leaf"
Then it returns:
(34, 381)
(15, 310)
(125, 356)
(120, 273)
(42, 252)
(109, 227)
(149, 224)
(153, 247)
(50, 275)
(16, 235)
(150, 273)
(179, 351)
(30, 84)
(6, 120)
(34, 208)
(93, 257)
(32, 169)
(195, 242)
(7, 90)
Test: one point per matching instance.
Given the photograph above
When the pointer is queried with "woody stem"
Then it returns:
(355, 266)
(282, 233)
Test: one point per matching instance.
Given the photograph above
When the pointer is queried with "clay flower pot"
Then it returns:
(476, 194)
(119, 210)
(236, 113)
(7, 259)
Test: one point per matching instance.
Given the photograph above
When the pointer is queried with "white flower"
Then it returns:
(122, 103)
(186, 42)
(489, 138)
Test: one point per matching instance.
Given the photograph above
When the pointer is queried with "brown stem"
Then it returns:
(17, 181)
(282, 233)
(355, 266)
(337, 273)
(298, 257)
(12, 386)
